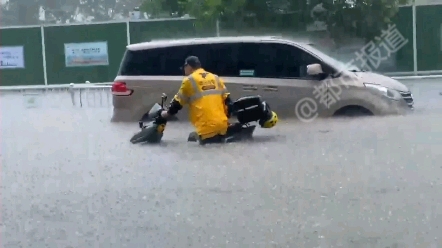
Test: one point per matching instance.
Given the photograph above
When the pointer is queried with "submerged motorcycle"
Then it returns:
(151, 132)
(248, 111)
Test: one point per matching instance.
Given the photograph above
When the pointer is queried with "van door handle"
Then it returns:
(271, 88)
(249, 88)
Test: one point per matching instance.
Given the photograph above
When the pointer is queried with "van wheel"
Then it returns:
(352, 111)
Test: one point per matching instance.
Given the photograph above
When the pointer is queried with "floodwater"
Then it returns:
(70, 178)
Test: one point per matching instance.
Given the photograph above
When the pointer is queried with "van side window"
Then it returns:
(305, 60)
(264, 60)
(250, 63)
(154, 62)
(220, 59)
(281, 60)
(172, 59)
(273, 60)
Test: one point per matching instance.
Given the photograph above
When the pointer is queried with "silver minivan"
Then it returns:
(296, 79)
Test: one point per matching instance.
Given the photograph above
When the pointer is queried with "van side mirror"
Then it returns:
(314, 70)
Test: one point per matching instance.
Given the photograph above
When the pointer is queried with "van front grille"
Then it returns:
(408, 97)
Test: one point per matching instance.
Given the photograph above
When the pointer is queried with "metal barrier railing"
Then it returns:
(417, 73)
(94, 98)
(89, 95)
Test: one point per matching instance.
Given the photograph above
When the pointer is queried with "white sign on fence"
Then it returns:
(11, 57)
(86, 54)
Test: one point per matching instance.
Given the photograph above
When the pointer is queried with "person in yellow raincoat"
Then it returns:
(208, 101)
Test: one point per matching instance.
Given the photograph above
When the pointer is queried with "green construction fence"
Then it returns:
(116, 35)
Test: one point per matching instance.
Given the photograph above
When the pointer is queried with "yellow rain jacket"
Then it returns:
(205, 94)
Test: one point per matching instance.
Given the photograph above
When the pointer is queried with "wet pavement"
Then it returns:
(71, 179)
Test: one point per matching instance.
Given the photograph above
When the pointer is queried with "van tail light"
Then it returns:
(120, 89)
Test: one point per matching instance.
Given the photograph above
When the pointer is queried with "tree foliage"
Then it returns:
(363, 18)
(30, 12)
(105, 10)
(19, 12)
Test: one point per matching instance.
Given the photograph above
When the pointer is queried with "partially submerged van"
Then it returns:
(296, 79)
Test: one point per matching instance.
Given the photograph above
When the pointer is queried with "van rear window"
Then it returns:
(153, 62)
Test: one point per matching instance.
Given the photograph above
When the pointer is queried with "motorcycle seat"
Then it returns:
(248, 109)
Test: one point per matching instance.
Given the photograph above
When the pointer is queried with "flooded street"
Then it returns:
(70, 178)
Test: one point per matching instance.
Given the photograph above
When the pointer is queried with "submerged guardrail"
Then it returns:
(79, 95)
